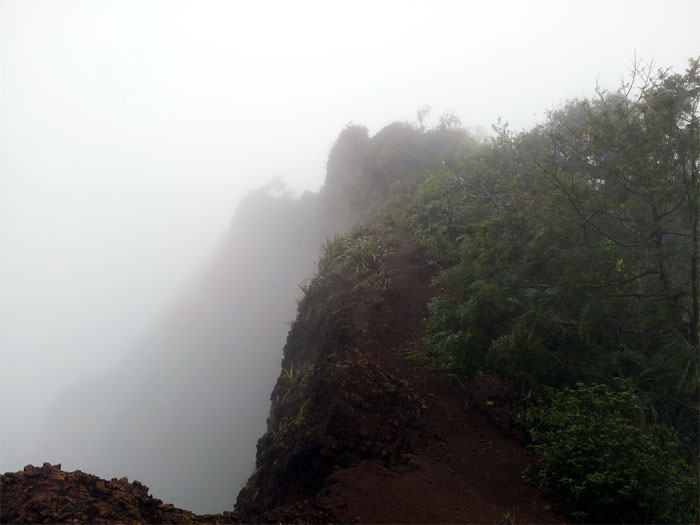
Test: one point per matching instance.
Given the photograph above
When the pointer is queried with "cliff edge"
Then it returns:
(360, 433)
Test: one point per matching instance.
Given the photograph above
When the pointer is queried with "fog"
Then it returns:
(143, 302)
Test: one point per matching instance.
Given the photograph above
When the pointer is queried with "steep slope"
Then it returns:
(357, 433)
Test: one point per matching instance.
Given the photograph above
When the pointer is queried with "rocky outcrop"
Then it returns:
(49, 494)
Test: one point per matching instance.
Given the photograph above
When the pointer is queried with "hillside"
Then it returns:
(564, 308)
(501, 330)
(358, 433)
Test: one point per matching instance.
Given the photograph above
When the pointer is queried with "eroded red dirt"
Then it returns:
(386, 440)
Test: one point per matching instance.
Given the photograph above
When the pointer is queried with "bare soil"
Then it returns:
(390, 441)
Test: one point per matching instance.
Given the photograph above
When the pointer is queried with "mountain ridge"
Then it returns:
(363, 435)
(537, 288)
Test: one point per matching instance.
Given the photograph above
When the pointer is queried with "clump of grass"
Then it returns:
(331, 253)
(298, 374)
(297, 378)
(363, 255)
(360, 258)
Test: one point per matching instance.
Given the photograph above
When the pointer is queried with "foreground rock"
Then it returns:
(48, 494)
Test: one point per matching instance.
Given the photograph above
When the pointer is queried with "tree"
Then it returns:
(449, 121)
(588, 223)
(627, 165)
(422, 113)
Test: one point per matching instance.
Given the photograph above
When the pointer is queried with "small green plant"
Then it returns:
(297, 374)
(290, 373)
(297, 377)
(508, 518)
(300, 415)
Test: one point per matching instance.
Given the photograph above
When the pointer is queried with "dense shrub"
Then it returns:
(570, 254)
(594, 447)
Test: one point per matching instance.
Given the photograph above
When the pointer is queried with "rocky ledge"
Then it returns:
(48, 494)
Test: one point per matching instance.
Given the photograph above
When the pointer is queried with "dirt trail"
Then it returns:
(461, 469)
(413, 445)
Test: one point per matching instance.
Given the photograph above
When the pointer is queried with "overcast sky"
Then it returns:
(130, 129)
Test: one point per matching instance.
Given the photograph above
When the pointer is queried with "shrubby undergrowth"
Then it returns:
(570, 256)
(594, 446)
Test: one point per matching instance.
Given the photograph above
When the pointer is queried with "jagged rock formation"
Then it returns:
(48, 494)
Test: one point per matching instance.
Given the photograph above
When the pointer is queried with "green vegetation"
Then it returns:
(368, 178)
(570, 255)
(568, 259)
(294, 382)
(359, 259)
(300, 415)
(593, 445)
(297, 379)
(299, 374)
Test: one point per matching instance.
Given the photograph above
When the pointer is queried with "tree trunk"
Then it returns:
(695, 257)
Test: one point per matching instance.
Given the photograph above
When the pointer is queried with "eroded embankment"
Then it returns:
(359, 434)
